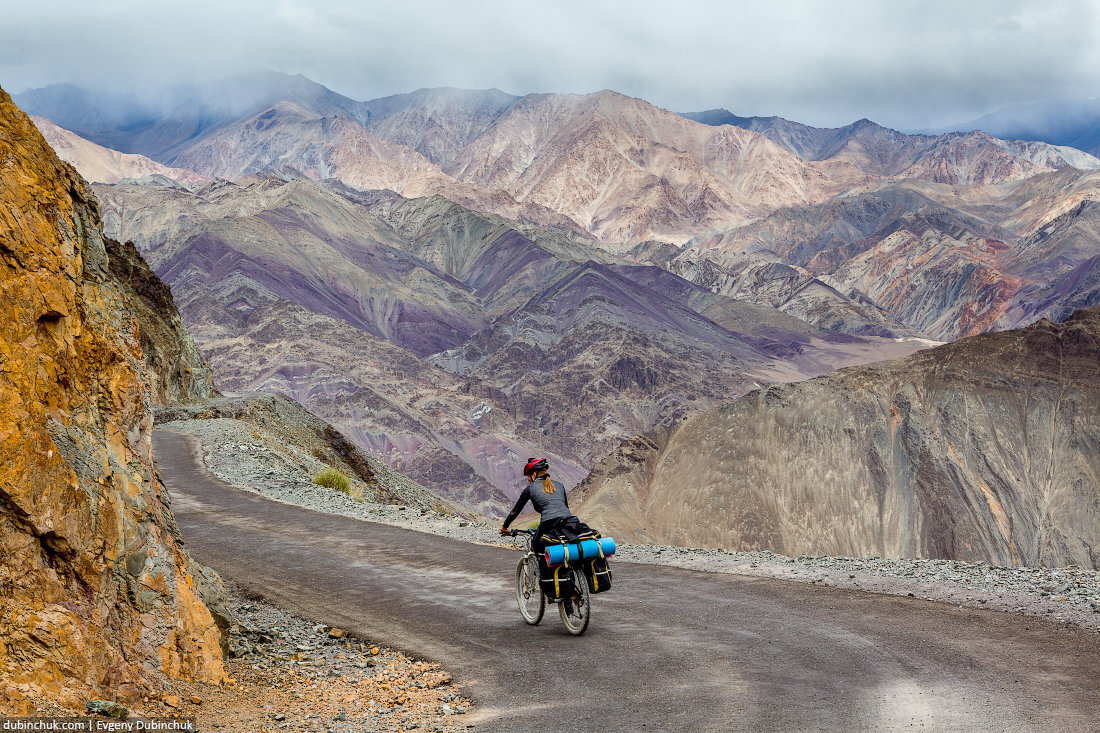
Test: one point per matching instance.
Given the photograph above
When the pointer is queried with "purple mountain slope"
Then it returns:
(514, 340)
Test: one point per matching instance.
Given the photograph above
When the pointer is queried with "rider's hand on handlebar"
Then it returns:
(504, 532)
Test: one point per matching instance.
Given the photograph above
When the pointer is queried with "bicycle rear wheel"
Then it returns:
(577, 608)
(532, 604)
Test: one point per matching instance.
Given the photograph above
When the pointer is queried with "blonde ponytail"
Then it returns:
(547, 485)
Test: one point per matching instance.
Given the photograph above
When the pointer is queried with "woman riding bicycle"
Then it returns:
(569, 589)
(548, 498)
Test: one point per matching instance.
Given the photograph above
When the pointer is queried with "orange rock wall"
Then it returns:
(96, 596)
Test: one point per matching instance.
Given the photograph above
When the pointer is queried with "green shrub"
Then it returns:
(333, 479)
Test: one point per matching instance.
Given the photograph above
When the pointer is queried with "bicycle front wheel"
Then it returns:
(577, 608)
(532, 604)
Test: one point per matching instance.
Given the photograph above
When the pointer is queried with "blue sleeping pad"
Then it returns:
(583, 550)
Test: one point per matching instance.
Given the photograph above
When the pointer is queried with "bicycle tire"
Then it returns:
(528, 589)
(579, 604)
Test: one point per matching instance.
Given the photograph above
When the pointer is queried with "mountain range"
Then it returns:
(612, 166)
(542, 268)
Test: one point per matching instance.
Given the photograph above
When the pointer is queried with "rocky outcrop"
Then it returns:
(984, 449)
(176, 371)
(96, 595)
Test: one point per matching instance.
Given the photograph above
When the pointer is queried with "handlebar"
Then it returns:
(515, 532)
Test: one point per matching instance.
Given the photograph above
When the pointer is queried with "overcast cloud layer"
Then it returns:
(902, 63)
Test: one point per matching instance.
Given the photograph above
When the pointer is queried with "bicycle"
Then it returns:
(575, 610)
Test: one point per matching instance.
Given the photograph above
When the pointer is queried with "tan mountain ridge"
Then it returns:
(601, 164)
(984, 449)
(98, 164)
(288, 135)
(629, 171)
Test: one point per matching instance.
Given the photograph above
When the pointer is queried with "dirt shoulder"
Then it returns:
(291, 674)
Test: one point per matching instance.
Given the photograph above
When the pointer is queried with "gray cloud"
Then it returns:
(902, 63)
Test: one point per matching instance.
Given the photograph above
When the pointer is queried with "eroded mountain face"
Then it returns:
(96, 595)
(176, 372)
(984, 449)
(454, 344)
(857, 230)
(915, 257)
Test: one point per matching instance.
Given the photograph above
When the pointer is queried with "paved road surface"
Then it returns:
(668, 649)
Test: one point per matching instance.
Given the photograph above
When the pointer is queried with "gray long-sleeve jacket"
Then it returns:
(550, 506)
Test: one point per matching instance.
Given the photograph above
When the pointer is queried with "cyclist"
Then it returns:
(555, 517)
(547, 497)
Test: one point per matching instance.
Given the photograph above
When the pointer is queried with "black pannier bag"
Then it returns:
(598, 572)
(572, 530)
(556, 582)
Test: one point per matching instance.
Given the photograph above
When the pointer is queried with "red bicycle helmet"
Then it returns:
(535, 465)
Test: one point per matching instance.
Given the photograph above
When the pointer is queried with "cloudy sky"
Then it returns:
(902, 63)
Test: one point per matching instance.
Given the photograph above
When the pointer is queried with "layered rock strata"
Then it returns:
(96, 595)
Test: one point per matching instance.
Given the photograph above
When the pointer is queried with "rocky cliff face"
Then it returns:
(984, 449)
(96, 595)
(176, 371)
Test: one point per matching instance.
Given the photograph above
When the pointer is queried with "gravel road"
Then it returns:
(240, 456)
(669, 648)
